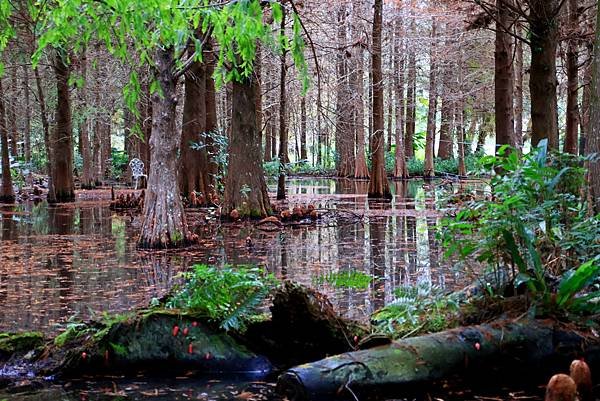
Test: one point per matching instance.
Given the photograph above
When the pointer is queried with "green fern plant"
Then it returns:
(228, 296)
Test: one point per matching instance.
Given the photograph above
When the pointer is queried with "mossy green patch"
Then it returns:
(20, 342)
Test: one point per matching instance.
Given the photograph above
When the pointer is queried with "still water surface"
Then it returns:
(81, 259)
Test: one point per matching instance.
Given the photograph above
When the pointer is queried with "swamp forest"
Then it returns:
(294, 200)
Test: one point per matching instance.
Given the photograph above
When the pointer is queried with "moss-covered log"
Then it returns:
(503, 347)
(170, 341)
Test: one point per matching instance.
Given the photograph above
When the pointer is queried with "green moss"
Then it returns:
(20, 342)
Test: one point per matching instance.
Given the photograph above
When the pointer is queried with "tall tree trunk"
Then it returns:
(7, 193)
(400, 168)
(303, 153)
(460, 112)
(518, 95)
(593, 140)
(193, 159)
(572, 130)
(361, 170)
(378, 184)
(165, 224)
(211, 122)
(283, 132)
(429, 171)
(445, 147)
(503, 78)
(11, 116)
(543, 26)
(62, 136)
(344, 137)
(45, 127)
(411, 98)
(585, 103)
(27, 128)
(245, 186)
(87, 179)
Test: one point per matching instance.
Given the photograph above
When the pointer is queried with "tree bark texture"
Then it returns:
(283, 132)
(344, 137)
(411, 98)
(429, 170)
(62, 136)
(543, 26)
(378, 185)
(7, 193)
(593, 139)
(245, 186)
(193, 159)
(400, 168)
(503, 78)
(165, 223)
(572, 130)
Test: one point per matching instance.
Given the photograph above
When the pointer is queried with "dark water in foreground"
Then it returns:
(81, 259)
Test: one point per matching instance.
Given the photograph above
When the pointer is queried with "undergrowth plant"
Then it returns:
(229, 296)
(416, 310)
(534, 227)
(346, 279)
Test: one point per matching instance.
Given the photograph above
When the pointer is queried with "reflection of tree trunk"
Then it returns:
(377, 238)
(284, 255)
(61, 222)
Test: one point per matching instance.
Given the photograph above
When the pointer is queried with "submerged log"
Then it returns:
(503, 347)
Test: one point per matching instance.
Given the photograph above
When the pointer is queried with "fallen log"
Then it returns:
(502, 347)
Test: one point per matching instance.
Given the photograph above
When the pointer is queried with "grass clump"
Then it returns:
(346, 279)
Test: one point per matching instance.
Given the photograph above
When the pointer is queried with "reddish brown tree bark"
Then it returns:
(193, 159)
(245, 186)
(165, 223)
(572, 130)
(543, 26)
(411, 98)
(378, 184)
(63, 188)
(7, 194)
(428, 171)
(503, 78)
(400, 168)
